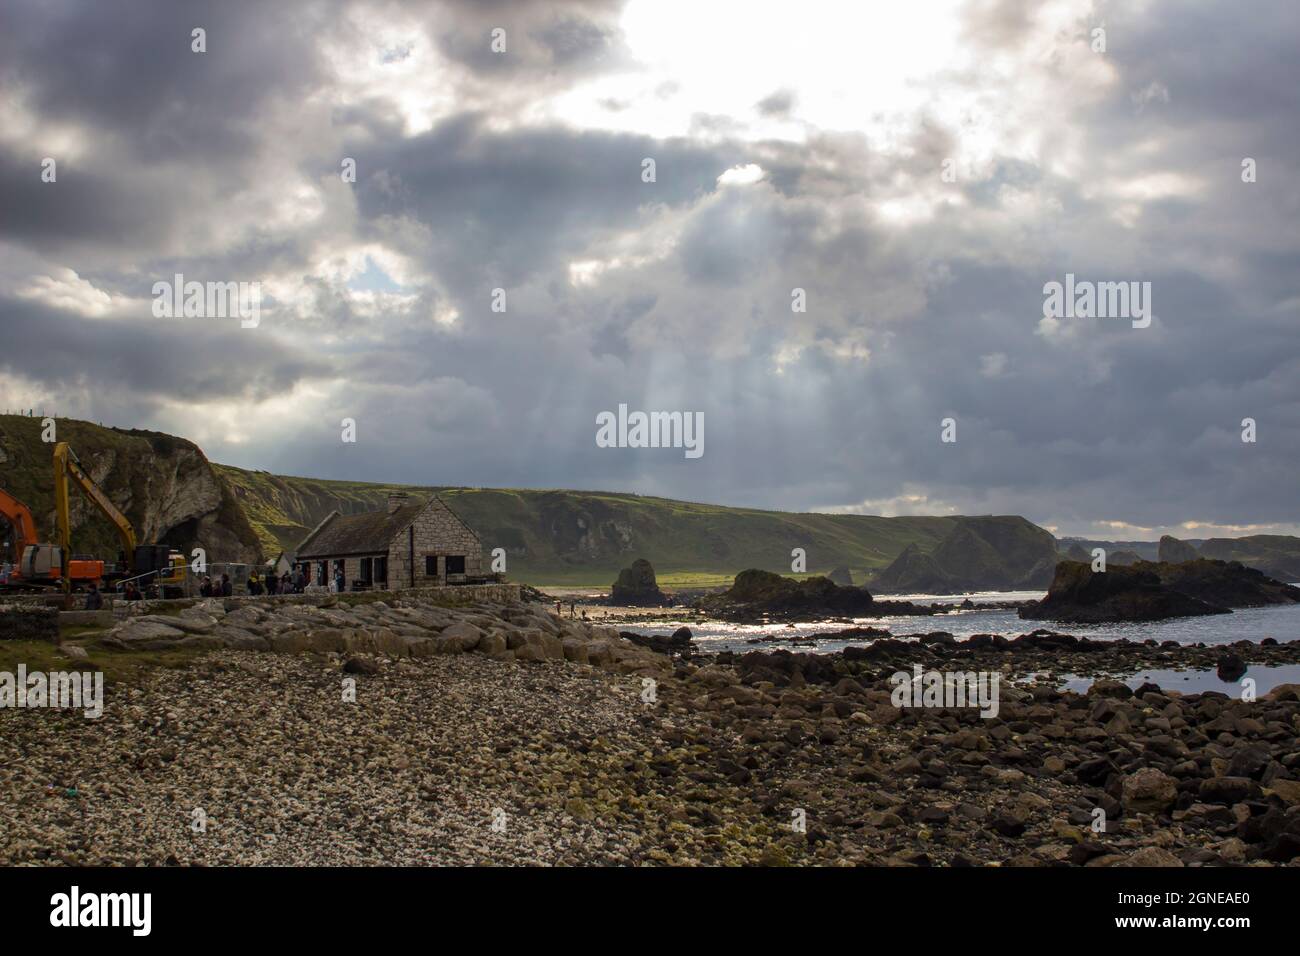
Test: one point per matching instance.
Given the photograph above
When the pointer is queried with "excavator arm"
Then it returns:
(67, 467)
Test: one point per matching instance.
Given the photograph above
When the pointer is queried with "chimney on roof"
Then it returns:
(397, 499)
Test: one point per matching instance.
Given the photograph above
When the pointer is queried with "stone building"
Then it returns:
(409, 544)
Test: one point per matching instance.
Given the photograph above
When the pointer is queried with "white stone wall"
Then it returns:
(438, 532)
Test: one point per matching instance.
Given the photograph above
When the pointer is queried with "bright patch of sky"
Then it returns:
(373, 279)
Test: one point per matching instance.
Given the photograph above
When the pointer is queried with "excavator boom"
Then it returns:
(67, 467)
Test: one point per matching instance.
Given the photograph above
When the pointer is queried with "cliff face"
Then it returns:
(164, 485)
(1172, 550)
(1277, 555)
(1002, 552)
(913, 571)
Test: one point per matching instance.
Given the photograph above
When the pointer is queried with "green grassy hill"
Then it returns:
(173, 494)
(585, 538)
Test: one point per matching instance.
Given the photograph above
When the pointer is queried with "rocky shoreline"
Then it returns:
(502, 734)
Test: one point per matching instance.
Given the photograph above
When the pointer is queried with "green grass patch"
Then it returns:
(119, 667)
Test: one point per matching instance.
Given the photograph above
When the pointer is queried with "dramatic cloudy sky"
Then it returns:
(796, 145)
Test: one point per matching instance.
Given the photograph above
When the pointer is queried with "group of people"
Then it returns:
(271, 583)
(222, 588)
(286, 583)
(95, 597)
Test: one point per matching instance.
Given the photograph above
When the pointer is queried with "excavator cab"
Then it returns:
(41, 562)
(45, 564)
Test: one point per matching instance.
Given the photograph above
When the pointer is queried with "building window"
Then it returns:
(381, 571)
(366, 566)
(455, 564)
(431, 565)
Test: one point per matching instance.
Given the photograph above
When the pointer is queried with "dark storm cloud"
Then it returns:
(911, 318)
(502, 206)
(85, 205)
(148, 360)
(575, 37)
(128, 70)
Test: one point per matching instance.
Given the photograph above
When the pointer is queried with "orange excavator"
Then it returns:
(42, 564)
(149, 564)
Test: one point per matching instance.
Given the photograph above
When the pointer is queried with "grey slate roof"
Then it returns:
(370, 532)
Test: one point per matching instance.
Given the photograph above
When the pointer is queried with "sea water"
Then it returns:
(1279, 621)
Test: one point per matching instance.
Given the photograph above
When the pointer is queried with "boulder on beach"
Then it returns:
(678, 643)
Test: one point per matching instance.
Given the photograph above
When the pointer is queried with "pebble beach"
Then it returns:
(461, 751)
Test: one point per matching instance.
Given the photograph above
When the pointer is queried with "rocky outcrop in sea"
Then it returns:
(637, 587)
(1153, 591)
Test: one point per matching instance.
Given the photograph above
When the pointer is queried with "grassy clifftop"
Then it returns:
(581, 538)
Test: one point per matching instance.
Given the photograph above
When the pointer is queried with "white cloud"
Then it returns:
(741, 175)
(68, 291)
